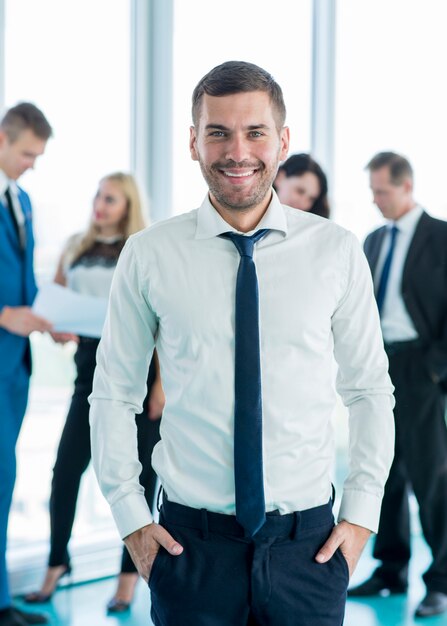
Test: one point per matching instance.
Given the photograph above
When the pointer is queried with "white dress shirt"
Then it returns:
(397, 324)
(174, 287)
(6, 182)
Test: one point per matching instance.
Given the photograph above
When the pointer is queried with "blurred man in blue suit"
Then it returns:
(24, 132)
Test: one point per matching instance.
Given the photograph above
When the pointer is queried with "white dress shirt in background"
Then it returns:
(174, 287)
(396, 323)
(6, 182)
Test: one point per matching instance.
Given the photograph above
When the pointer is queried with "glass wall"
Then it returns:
(72, 60)
(391, 95)
(275, 36)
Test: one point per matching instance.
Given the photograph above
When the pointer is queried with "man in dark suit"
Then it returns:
(24, 132)
(408, 259)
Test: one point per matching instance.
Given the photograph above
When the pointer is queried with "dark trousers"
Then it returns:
(225, 579)
(420, 464)
(13, 400)
(74, 454)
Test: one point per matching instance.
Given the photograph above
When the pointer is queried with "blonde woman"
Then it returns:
(86, 266)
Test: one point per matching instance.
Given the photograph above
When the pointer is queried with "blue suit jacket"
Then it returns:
(17, 284)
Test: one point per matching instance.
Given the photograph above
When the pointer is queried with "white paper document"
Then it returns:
(69, 311)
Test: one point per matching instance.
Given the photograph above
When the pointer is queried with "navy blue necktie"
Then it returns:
(20, 230)
(248, 472)
(381, 291)
(10, 208)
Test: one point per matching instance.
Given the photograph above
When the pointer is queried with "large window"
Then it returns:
(275, 36)
(391, 95)
(72, 60)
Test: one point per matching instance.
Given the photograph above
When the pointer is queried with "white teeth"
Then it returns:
(239, 175)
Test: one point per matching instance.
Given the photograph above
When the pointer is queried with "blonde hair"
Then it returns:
(131, 223)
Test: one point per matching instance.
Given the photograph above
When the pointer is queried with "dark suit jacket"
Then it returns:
(17, 283)
(424, 286)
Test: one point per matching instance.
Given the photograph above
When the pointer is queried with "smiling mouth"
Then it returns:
(239, 175)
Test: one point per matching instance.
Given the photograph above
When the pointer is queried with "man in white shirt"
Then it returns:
(408, 259)
(185, 285)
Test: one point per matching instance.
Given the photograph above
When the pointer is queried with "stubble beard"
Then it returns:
(238, 200)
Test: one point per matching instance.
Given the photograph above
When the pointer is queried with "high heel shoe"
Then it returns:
(38, 597)
(117, 606)
(123, 596)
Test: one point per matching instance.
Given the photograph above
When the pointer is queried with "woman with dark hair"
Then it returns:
(302, 184)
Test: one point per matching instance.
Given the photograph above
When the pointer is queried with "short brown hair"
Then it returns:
(25, 116)
(399, 166)
(237, 77)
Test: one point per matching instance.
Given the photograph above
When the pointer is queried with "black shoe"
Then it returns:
(376, 586)
(9, 618)
(434, 603)
(29, 618)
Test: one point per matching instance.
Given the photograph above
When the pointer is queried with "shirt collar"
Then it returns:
(6, 182)
(408, 222)
(211, 224)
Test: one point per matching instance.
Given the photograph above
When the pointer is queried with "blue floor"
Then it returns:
(83, 605)
(394, 610)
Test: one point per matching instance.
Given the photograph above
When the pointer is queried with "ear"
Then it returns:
(3, 138)
(285, 141)
(408, 185)
(193, 143)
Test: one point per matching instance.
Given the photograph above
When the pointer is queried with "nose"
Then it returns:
(98, 203)
(237, 149)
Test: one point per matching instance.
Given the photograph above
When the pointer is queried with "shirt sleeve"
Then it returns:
(366, 390)
(119, 389)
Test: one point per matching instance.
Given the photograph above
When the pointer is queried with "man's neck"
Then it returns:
(406, 209)
(243, 220)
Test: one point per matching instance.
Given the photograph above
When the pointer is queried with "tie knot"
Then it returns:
(244, 244)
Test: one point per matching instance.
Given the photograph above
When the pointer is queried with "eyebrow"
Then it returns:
(222, 127)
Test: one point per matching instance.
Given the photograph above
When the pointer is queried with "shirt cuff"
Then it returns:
(360, 508)
(131, 513)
